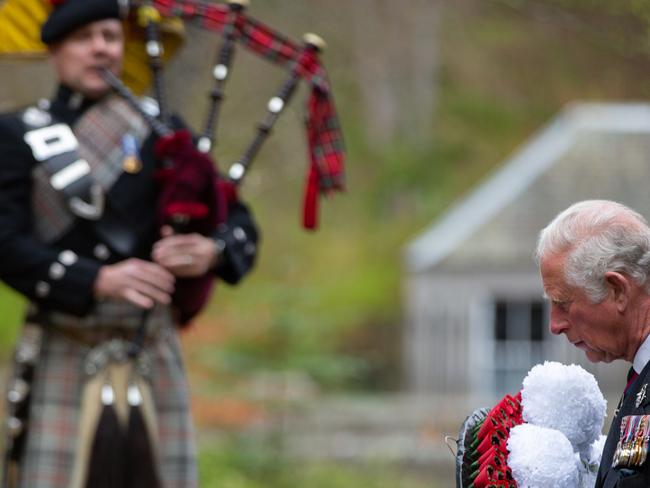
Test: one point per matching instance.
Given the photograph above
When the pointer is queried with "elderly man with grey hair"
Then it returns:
(594, 259)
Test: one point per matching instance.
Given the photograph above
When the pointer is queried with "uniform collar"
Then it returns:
(69, 104)
(642, 356)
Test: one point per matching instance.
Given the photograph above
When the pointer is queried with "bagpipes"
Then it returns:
(153, 33)
(325, 141)
(194, 197)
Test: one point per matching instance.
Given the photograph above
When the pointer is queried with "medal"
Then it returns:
(632, 448)
(36, 117)
(131, 162)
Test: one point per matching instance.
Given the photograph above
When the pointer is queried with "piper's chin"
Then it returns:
(93, 86)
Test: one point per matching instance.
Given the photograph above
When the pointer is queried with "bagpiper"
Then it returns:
(115, 223)
(99, 395)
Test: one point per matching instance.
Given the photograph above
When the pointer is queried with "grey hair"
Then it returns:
(598, 236)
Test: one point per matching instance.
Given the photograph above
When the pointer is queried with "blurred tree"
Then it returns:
(396, 50)
(623, 25)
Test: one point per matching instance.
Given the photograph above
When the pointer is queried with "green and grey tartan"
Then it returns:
(104, 314)
(49, 457)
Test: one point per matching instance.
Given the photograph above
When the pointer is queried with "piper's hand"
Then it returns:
(185, 255)
(139, 282)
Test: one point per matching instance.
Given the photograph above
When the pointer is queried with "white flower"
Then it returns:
(541, 458)
(566, 398)
(589, 466)
(596, 451)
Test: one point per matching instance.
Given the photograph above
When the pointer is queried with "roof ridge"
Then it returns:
(519, 172)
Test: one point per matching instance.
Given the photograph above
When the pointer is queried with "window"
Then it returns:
(519, 336)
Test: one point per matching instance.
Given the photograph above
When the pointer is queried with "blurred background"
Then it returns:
(350, 352)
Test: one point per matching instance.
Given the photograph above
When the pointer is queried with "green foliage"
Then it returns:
(293, 337)
(11, 312)
(623, 25)
(240, 463)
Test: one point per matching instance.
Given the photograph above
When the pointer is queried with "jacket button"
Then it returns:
(101, 252)
(57, 271)
(68, 257)
(239, 234)
(42, 289)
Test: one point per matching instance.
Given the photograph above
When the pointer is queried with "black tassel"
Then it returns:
(106, 466)
(140, 461)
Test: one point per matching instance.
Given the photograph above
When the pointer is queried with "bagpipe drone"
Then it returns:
(192, 196)
(325, 141)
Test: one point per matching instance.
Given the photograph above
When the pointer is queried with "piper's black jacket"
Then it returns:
(609, 477)
(27, 264)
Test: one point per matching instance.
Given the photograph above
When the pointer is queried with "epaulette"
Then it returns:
(150, 106)
(37, 116)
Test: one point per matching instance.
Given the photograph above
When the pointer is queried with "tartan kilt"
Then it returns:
(55, 409)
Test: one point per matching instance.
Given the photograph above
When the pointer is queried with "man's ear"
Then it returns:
(620, 288)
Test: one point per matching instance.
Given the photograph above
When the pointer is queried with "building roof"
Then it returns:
(590, 150)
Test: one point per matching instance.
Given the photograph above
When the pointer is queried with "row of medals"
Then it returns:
(632, 448)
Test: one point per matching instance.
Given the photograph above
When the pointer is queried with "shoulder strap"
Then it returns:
(77, 170)
(54, 146)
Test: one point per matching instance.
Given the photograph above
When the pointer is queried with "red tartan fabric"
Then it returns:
(324, 136)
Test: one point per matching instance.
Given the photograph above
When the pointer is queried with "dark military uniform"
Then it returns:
(636, 402)
(52, 257)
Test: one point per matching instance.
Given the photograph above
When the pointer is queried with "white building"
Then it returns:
(475, 318)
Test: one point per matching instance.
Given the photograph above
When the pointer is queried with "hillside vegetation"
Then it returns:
(432, 96)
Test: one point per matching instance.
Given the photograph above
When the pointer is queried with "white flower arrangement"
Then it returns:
(560, 444)
(548, 435)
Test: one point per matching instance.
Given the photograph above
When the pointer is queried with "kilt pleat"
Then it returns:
(49, 457)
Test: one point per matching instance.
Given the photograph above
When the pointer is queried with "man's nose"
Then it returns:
(99, 43)
(558, 323)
